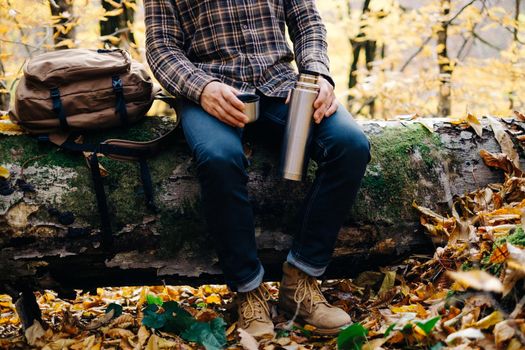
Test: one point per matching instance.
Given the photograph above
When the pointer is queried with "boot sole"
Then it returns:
(316, 331)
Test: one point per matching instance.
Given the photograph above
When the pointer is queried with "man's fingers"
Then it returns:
(230, 96)
(321, 97)
(233, 112)
(319, 113)
(332, 109)
(227, 118)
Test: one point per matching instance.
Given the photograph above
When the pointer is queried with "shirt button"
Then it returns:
(252, 56)
(244, 26)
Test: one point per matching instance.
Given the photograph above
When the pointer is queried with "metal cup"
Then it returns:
(251, 102)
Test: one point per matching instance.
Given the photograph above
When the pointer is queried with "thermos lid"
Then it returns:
(307, 86)
(308, 78)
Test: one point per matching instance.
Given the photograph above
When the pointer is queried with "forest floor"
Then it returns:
(469, 295)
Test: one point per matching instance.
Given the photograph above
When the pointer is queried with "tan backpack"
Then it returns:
(81, 89)
(66, 92)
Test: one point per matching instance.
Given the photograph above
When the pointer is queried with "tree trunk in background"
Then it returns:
(368, 46)
(513, 98)
(64, 29)
(445, 65)
(49, 239)
(118, 26)
(4, 93)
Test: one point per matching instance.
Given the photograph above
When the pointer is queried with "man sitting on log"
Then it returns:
(209, 51)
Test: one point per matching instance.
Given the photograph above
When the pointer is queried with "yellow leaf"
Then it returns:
(489, 321)
(65, 43)
(115, 12)
(475, 124)
(213, 299)
(477, 279)
(111, 38)
(9, 128)
(4, 173)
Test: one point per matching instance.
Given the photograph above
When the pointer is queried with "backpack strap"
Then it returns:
(58, 108)
(120, 105)
(117, 149)
(102, 203)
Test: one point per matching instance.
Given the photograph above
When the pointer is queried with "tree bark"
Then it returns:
(445, 65)
(61, 30)
(4, 92)
(358, 44)
(118, 25)
(42, 248)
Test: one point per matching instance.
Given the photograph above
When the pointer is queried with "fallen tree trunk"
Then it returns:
(41, 248)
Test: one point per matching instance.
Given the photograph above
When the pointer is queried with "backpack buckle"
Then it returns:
(116, 83)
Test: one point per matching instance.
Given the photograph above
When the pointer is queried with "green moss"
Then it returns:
(25, 150)
(516, 238)
(123, 185)
(400, 156)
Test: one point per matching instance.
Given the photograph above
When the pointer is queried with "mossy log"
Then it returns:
(41, 248)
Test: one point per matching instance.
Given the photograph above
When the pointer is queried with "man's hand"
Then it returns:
(220, 100)
(326, 104)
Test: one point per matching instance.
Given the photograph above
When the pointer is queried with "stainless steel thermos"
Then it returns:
(298, 127)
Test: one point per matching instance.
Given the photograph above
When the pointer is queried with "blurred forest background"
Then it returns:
(389, 58)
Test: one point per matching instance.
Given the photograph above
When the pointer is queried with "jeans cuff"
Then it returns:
(310, 270)
(253, 283)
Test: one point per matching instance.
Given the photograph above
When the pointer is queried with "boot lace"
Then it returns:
(309, 291)
(255, 305)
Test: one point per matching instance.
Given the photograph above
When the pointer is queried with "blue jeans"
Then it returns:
(342, 152)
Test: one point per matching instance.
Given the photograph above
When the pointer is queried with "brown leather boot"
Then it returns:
(301, 299)
(254, 313)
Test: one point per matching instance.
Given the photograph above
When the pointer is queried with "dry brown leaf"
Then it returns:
(18, 215)
(247, 341)
(59, 344)
(143, 335)
(119, 333)
(519, 115)
(155, 342)
(123, 321)
(499, 254)
(500, 161)
(100, 321)
(515, 267)
(375, 344)
(503, 331)
(477, 279)
(504, 140)
(34, 332)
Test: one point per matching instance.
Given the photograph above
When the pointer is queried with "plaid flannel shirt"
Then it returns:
(242, 43)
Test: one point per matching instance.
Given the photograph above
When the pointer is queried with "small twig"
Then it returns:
(518, 308)
(17, 43)
(485, 41)
(427, 40)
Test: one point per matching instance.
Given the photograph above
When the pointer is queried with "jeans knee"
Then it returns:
(354, 147)
(221, 163)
